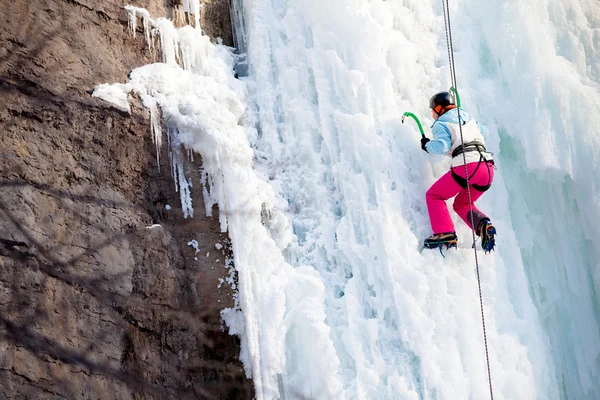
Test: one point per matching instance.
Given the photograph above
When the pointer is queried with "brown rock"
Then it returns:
(93, 304)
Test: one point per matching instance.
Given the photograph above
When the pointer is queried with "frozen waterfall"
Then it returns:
(321, 189)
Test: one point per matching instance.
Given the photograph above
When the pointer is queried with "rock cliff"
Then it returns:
(101, 297)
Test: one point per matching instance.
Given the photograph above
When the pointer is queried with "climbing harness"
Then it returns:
(470, 147)
(447, 25)
(464, 183)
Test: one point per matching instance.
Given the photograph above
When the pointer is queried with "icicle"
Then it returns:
(184, 192)
(131, 19)
(169, 133)
(132, 13)
(156, 130)
(168, 40)
(195, 11)
(209, 201)
(239, 29)
(147, 32)
(238, 24)
(170, 138)
(174, 172)
(182, 185)
(193, 47)
(183, 13)
(185, 46)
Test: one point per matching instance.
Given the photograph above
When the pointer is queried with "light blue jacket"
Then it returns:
(442, 138)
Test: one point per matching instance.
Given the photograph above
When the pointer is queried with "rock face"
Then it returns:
(101, 297)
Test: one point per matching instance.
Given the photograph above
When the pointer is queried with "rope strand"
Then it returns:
(450, 58)
(454, 85)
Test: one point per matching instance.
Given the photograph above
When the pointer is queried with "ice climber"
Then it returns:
(480, 167)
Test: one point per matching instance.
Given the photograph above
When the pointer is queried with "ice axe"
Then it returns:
(453, 89)
(413, 116)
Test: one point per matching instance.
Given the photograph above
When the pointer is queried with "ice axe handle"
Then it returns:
(413, 116)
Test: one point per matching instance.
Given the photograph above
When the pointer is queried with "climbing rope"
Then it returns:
(454, 85)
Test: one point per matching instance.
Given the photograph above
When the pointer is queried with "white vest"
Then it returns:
(470, 133)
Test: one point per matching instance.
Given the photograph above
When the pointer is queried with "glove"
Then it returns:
(424, 141)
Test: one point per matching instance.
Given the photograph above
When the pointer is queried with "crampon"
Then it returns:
(487, 232)
(438, 241)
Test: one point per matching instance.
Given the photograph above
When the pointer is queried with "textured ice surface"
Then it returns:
(321, 189)
(333, 78)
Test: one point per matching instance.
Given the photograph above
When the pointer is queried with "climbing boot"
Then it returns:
(487, 232)
(448, 239)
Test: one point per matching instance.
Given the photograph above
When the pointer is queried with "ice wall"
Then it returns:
(332, 79)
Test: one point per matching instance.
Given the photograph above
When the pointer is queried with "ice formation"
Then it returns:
(115, 94)
(321, 190)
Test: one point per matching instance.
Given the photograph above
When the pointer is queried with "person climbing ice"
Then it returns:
(479, 166)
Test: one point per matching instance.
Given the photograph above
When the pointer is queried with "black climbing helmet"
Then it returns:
(440, 101)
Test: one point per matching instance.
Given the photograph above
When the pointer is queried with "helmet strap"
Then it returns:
(439, 110)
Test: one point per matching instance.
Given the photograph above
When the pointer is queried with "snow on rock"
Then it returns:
(115, 94)
(194, 244)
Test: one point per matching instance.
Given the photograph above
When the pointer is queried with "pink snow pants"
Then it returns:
(446, 188)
